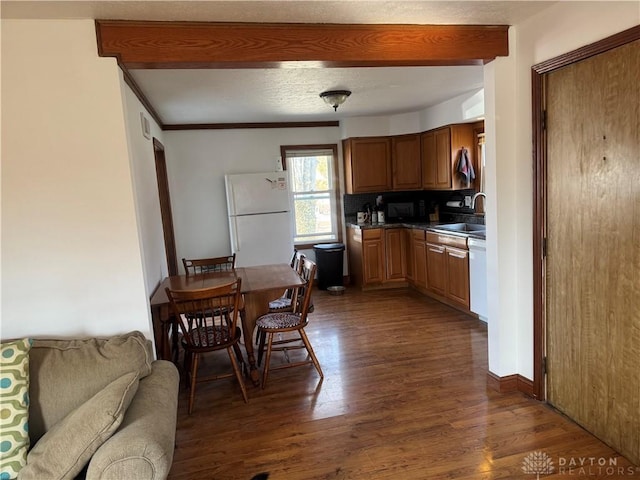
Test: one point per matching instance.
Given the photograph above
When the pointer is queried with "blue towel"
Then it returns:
(465, 167)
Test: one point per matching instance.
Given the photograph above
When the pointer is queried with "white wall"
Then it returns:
(143, 170)
(364, 127)
(197, 161)
(71, 260)
(464, 108)
(559, 29)
(467, 107)
(404, 123)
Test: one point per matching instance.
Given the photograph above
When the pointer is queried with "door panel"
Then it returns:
(395, 254)
(437, 277)
(593, 238)
(458, 279)
(373, 261)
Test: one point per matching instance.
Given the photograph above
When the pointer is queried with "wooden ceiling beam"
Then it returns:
(276, 45)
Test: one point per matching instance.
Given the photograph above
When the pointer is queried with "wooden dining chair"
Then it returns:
(204, 265)
(283, 322)
(283, 304)
(196, 311)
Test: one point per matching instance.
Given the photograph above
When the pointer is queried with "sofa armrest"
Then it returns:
(142, 448)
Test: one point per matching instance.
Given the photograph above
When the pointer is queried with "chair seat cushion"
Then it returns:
(278, 320)
(212, 335)
(284, 303)
(281, 303)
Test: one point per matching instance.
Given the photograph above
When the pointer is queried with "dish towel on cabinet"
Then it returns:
(465, 167)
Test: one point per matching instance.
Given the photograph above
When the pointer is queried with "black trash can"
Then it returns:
(329, 257)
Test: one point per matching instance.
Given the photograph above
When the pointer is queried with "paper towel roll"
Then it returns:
(457, 203)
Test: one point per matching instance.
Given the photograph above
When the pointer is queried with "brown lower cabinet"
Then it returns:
(434, 263)
(373, 257)
(377, 257)
(395, 254)
(448, 268)
(437, 274)
(458, 276)
(419, 259)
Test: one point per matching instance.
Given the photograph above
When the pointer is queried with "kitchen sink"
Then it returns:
(461, 227)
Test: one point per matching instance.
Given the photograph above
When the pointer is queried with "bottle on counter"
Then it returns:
(380, 216)
(374, 215)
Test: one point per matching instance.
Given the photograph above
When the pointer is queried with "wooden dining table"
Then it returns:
(260, 285)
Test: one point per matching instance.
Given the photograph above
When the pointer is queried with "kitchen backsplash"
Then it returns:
(354, 203)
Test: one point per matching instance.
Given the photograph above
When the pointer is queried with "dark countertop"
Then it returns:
(427, 226)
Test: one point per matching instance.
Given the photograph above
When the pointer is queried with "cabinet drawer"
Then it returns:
(417, 234)
(371, 233)
(444, 239)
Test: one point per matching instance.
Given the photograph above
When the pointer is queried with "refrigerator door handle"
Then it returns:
(234, 235)
(232, 199)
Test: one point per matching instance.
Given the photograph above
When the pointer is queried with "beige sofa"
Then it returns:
(100, 409)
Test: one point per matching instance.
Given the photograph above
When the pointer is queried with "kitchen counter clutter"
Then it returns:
(432, 257)
(458, 229)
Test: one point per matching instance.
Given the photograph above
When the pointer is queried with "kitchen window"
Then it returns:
(313, 179)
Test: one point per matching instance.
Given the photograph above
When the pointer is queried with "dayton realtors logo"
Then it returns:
(537, 463)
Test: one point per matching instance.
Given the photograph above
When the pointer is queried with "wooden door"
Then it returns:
(405, 161)
(458, 275)
(408, 246)
(394, 254)
(593, 245)
(368, 165)
(372, 256)
(443, 158)
(428, 145)
(419, 263)
(437, 278)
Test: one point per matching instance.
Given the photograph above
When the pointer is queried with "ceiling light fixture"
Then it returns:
(335, 98)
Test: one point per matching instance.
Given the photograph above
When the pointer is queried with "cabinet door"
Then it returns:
(368, 165)
(461, 136)
(372, 261)
(442, 140)
(395, 254)
(408, 246)
(405, 162)
(440, 153)
(419, 263)
(428, 145)
(458, 281)
(437, 279)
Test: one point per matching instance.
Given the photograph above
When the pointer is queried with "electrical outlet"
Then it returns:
(467, 200)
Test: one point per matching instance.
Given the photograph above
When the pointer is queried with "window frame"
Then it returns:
(336, 186)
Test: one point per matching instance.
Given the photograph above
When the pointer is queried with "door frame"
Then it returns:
(165, 207)
(539, 74)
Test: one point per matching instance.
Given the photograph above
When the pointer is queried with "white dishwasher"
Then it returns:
(478, 277)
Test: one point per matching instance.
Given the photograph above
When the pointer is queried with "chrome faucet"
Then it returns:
(473, 199)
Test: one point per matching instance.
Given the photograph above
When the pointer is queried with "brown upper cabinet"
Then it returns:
(440, 153)
(367, 164)
(415, 161)
(406, 164)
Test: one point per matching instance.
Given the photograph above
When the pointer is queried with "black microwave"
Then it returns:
(401, 211)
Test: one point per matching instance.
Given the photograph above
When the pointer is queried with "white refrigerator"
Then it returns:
(260, 220)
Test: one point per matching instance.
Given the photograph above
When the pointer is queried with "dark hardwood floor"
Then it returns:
(404, 397)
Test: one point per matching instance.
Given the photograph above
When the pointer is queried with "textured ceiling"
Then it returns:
(283, 95)
(287, 95)
(319, 11)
